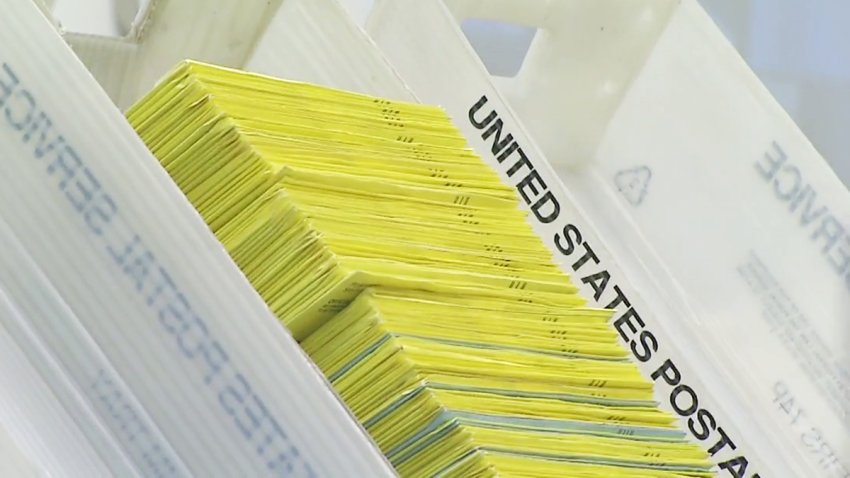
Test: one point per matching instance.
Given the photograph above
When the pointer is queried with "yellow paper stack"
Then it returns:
(409, 274)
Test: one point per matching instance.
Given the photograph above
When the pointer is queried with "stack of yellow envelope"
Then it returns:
(409, 274)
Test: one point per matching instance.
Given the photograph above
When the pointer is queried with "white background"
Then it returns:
(800, 49)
